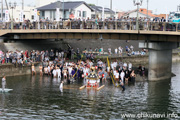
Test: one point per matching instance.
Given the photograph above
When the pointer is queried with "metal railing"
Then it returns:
(113, 25)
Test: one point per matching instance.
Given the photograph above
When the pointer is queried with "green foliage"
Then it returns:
(91, 4)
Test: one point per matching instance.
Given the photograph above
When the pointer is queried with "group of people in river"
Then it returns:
(69, 70)
(56, 65)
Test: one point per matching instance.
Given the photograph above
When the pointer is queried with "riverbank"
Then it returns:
(136, 60)
(11, 70)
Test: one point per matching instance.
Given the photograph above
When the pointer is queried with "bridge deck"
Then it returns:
(91, 34)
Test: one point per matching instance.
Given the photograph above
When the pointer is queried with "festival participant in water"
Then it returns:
(122, 85)
(122, 75)
(58, 72)
(69, 70)
(105, 75)
(33, 69)
(3, 82)
(126, 76)
(116, 74)
(49, 70)
(40, 70)
(65, 73)
(133, 76)
(46, 70)
(143, 71)
(61, 85)
(54, 72)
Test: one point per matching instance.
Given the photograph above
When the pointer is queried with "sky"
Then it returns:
(158, 6)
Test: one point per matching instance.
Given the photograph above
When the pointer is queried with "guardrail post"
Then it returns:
(103, 25)
(70, 24)
(116, 25)
(151, 26)
(176, 27)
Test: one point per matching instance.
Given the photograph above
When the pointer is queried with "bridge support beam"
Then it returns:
(160, 59)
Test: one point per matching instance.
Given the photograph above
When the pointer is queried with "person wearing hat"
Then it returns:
(3, 82)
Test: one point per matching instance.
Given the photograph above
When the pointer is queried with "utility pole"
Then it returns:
(147, 8)
(22, 4)
(63, 11)
(111, 7)
(178, 8)
(2, 10)
(138, 3)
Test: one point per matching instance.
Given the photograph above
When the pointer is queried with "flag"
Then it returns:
(35, 14)
(21, 16)
(6, 15)
(57, 14)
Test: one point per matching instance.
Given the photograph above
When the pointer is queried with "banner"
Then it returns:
(21, 16)
(35, 14)
(57, 14)
(6, 15)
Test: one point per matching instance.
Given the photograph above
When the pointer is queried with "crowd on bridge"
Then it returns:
(124, 23)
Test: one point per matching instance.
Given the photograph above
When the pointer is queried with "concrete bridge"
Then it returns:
(159, 43)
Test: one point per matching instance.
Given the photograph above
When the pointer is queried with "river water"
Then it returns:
(39, 98)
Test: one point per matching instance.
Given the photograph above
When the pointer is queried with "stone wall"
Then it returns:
(11, 70)
(82, 44)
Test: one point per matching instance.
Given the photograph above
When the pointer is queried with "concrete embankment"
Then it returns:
(11, 70)
(136, 60)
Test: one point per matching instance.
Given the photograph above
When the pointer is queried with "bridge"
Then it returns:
(161, 36)
(159, 42)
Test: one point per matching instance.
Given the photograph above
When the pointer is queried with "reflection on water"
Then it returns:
(35, 97)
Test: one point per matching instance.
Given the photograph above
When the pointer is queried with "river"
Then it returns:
(39, 98)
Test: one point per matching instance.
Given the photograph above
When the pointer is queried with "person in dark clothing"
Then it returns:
(139, 69)
(143, 71)
(51, 54)
(127, 75)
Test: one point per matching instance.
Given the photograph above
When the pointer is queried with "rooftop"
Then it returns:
(99, 9)
(67, 5)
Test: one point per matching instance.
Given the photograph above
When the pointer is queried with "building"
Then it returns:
(40, 3)
(142, 13)
(72, 9)
(28, 13)
(98, 10)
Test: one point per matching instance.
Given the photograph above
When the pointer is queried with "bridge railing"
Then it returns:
(113, 25)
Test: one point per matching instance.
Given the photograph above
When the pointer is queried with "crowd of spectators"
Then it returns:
(123, 23)
(20, 58)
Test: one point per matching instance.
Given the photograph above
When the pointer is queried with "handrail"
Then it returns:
(91, 24)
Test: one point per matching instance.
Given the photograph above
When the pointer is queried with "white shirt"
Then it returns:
(130, 65)
(54, 73)
(116, 75)
(61, 86)
(116, 50)
(58, 71)
(125, 64)
(49, 69)
(122, 76)
(69, 70)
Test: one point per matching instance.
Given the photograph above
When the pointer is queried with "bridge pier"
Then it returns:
(1, 39)
(160, 59)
